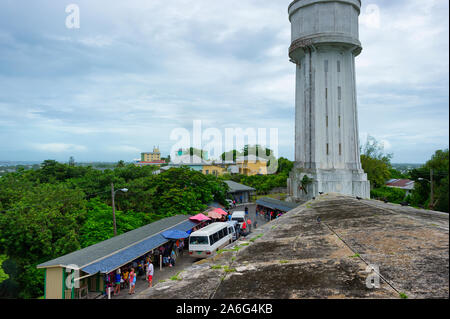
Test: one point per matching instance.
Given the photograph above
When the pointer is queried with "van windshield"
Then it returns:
(198, 240)
(238, 219)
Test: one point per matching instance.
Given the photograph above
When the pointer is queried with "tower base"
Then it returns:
(342, 181)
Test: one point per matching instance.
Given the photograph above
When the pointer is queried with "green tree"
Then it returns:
(421, 194)
(54, 210)
(375, 163)
(99, 223)
(285, 166)
(42, 225)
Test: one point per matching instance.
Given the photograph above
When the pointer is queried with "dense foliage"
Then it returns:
(375, 163)
(52, 211)
(421, 195)
(391, 194)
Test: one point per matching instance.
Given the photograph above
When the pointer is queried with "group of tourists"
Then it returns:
(126, 276)
(268, 214)
(163, 256)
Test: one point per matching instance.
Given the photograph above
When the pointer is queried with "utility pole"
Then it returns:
(113, 208)
(431, 185)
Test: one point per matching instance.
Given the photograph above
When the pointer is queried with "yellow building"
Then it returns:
(151, 156)
(216, 170)
(251, 165)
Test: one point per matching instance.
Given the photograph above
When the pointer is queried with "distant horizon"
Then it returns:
(131, 161)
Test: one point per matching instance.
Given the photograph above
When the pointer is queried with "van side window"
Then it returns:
(216, 237)
(211, 240)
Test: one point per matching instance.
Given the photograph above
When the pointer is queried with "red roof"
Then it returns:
(400, 183)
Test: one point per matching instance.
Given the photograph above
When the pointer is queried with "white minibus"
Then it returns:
(207, 240)
(233, 228)
(239, 217)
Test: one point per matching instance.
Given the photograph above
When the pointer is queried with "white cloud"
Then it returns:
(137, 69)
(124, 149)
(59, 147)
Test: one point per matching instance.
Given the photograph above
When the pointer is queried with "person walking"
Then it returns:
(150, 270)
(132, 281)
(244, 228)
(117, 281)
(173, 257)
(126, 283)
(182, 246)
(249, 224)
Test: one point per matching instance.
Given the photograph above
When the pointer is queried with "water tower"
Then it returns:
(324, 45)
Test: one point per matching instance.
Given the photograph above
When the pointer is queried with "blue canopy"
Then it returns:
(107, 264)
(175, 234)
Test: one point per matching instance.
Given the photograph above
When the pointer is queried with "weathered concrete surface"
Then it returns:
(297, 257)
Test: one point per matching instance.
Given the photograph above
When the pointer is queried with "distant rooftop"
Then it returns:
(236, 187)
(401, 183)
(188, 160)
(276, 204)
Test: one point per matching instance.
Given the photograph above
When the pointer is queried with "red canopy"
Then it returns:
(199, 217)
(215, 215)
(220, 211)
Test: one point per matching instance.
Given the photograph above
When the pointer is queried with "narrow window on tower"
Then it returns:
(327, 149)
(339, 121)
(339, 66)
(339, 93)
(326, 65)
(326, 93)
(340, 149)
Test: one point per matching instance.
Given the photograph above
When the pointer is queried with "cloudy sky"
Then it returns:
(136, 70)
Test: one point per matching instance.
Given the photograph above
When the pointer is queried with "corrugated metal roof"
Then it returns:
(401, 183)
(110, 246)
(236, 187)
(129, 254)
(276, 204)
